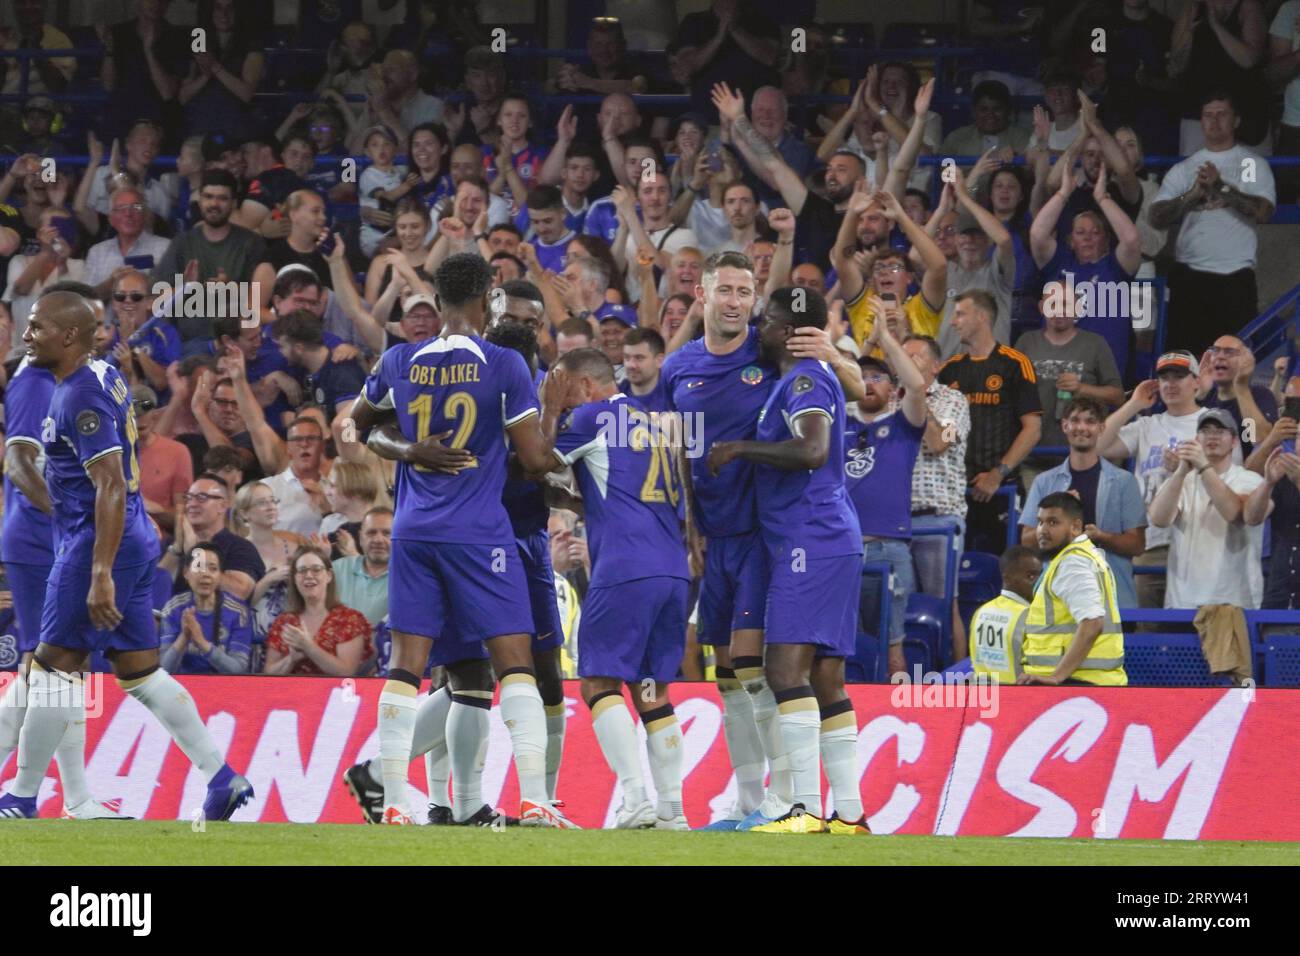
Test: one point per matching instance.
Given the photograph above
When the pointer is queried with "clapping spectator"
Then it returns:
(1087, 263)
(349, 60)
(1214, 555)
(1225, 382)
(305, 215)
(411, 229)
(1150, 441)
(95, 194)
(1218, 45)
(1061, 93)
(727, 41)
(316, 634)
(611, 71)
(396, 100)
(485, 81)
(223, 76)
(142, 67)
(1215, 209)
(204, 630)
(512, 164)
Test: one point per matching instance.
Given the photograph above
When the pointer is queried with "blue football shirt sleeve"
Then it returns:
(23, 414)
(576, 435)
(239, 630)
(517, 387)
(378, 386)
(809, 393)
(91, 424)
(164, 344)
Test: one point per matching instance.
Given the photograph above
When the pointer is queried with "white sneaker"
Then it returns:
(773, 806)
(640, 817)
(672, 823)
(546, 814)
(91, 809)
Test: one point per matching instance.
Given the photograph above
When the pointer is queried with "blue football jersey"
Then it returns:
(28, 532)
(879, 459)
(806, 509)
(719, 397)
(91, 417)
(628, 478)
(475, 390)
(602, 220)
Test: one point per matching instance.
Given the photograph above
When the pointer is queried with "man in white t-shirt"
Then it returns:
(1216, 198)
(1150, 440)
(1284, 67)
(1214, 557)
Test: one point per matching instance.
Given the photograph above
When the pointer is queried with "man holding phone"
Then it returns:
(133, 248)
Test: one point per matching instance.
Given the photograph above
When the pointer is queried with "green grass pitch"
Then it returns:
(119, 843)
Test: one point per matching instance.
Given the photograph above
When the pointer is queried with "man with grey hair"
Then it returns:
(769, 115)
(128, 214)
(401, 105)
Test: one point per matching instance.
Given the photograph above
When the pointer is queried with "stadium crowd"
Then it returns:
(1011, 279)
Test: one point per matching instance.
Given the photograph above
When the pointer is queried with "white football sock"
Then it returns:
(428, 738)
(556, 718)
(839, 749)
(617, 736)
(467, 739)
(172, 705)
(769, 733)
(13, 705)
(396, 727)
(54, 699)
(800, 727)
(743, 744)
(525, 718)
(664, 743)
(71, 755)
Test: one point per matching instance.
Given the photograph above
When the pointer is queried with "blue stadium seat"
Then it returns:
(924, 630)
(1167, 660)
(979, 580)
(869, 663)
(1281, 660)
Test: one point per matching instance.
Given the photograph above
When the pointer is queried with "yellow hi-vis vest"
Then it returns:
(1049, 626)
(996, 634)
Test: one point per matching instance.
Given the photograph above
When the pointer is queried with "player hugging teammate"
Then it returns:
(768, 526)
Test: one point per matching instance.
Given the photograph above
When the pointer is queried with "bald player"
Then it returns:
(99, 595)
(28, 546)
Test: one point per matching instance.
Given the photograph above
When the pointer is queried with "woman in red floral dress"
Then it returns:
(316, 634)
